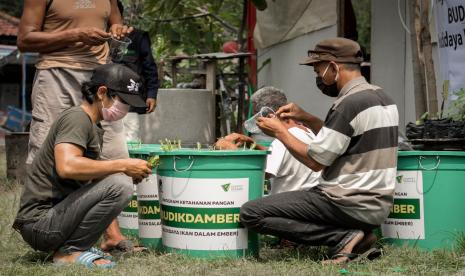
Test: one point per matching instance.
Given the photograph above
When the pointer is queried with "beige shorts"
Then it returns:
(57, 89)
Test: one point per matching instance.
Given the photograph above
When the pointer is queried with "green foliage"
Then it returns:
(362, 9)
(176, 29)
(456, 110)
(154, 161)
(12, 7)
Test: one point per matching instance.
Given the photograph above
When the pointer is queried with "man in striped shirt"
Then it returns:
(356, 147)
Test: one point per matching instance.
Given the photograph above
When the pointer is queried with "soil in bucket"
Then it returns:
(201, 192)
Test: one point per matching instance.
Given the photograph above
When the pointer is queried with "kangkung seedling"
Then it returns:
(169, 145)
(253, 145)
(154, 161)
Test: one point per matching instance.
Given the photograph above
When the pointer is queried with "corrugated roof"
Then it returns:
(8, 24)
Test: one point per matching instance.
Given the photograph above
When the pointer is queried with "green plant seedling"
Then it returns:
(154, 161)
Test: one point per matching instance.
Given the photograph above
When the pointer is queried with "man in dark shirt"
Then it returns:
(140, 59)
(70, 195)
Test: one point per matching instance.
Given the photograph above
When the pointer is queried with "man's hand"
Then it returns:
(271, 126)
(238, 139)
(119, 31)
(138, 169)
(223, 144)
(292, 111)
(151, 104)
(233, 141)
(91, 36)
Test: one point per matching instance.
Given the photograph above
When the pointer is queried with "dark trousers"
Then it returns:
(307, 217)
(78, 221)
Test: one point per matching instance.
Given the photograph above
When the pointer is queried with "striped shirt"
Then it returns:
(358, 146)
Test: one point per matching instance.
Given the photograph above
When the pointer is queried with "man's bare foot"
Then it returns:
(71, 258)
(344, 255)
(369, 240)
(112, 236)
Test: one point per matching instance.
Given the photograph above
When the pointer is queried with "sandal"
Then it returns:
(349, 257)
(87, 259)
(371, 254)
(106, 256)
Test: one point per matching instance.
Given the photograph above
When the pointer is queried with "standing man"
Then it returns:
(70, 36)
(140, 59)
(356, 147)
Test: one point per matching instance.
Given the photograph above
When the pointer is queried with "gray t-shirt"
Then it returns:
(43, 187)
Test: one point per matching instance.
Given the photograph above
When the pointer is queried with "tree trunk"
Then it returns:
(418, 76)
(425, 42)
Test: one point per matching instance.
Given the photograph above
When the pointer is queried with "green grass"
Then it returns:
(16, 258)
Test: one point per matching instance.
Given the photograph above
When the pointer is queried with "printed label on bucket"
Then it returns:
(203, 214)
(149, 208)
(407, 219)
(128, 217)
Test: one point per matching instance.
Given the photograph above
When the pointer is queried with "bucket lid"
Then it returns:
(145, 149)
(206, 152)
(431, 153)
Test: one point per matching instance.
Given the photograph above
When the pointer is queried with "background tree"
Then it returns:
(12, 7)
(186, 26)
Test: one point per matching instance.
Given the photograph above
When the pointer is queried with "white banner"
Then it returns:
(450, 26)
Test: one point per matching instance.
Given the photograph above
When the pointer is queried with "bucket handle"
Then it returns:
(438, 161)
(185, 170)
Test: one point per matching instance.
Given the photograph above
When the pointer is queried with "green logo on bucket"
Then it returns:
(226, 187)
(399, 179)
(405, 208)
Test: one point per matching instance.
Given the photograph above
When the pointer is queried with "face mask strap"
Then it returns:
(326, 70)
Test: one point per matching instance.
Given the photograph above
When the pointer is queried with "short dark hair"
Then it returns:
(120, 7)
(351, 66)
(89, 91)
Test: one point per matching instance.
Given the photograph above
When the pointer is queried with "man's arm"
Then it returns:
(274, 127)
(31, 38)
(293, 111)
(71, 164)
(115, 21)
(298, 149)
(312, 122)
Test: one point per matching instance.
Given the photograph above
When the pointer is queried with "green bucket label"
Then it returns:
(203, 214)
(408, 208)
(128, 220)
(201, 218)
(149, 208)
(132, 205)
(406, 218)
